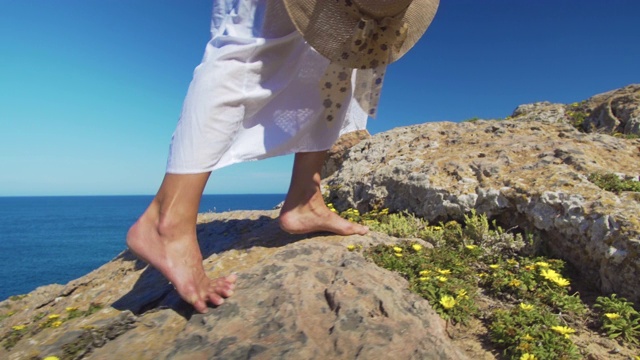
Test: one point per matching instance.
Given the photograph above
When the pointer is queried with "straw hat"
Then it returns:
(362, 34)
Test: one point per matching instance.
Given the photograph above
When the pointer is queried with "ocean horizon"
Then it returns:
(55, 239)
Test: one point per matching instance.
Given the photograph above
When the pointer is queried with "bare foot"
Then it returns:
(180, 261)
(313, 216)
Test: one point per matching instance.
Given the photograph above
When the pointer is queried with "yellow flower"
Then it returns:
(56, 324)
(512, 262)
(542, 264)
(612, 316)
(451, 223)
(423, 279)
(74, 308)
(19, 327)
(398, 254)
(494, 266)
(444, 272)
(349, 247)
(482, 275)
(527, 337)
(549, 274)
(515, 283)
(333, 210)
(526, 307)
(51, 358)
(447, 302)
(530, 267)
(53, 316)
(442, 278)
(527, 356)
(425, 272)
(471, 247)
(462, 294)
(563, 330)
(416, 247)
(436, 228)
(561, 281)
(397, 249)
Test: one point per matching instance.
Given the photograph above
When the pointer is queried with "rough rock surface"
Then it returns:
(298, 297)
(529, 175)
(612, 112)
(335, 155)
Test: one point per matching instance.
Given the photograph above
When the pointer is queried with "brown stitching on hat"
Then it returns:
(330, 117)
(345, 55)
(327, 103)
(343, 76)
(343, 89)
(328, 85)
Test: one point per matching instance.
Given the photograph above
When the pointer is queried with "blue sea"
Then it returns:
(46, 240)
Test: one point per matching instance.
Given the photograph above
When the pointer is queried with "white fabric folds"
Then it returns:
(255, 95)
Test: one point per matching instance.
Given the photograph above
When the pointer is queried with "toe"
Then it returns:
(215, 299)
(200, 306)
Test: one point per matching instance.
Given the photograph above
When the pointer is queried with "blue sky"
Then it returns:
(90, 91)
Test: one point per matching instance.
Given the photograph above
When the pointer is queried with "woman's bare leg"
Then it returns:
(165, 237)
(304, 210)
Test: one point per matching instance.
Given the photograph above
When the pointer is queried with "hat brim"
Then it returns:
(327, 27)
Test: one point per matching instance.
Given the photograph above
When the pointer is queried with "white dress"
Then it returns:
(256, 93)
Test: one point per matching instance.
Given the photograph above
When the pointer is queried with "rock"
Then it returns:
(336, 154)
(298, 297)
(540, 111)
(612, 112)
(615, 111)
(529, 175)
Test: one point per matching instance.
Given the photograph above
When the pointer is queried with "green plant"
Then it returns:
(626, 136)
(488, 235)
(577, 116)
(611, 182)
(537, 304)
(442, 277)
(529, 329)
(17, 332)
(619, 318)
(7, 315)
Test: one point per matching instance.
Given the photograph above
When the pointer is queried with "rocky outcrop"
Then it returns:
(612, 112)
(297, 298)
(531, 176)
(335, 155)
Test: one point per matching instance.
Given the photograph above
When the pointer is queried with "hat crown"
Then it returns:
(379, 9)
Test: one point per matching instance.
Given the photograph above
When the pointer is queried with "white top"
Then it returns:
(255, 95)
